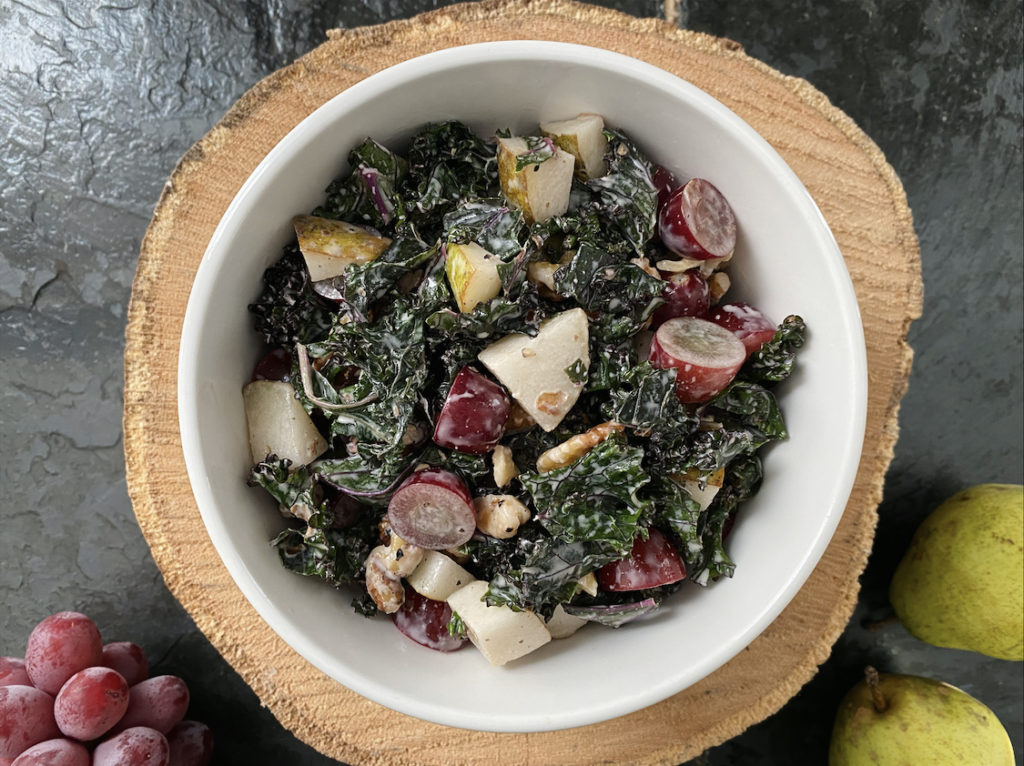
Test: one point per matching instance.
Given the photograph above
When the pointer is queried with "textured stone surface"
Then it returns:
(98, 102)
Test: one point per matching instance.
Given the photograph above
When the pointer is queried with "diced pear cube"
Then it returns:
(583, 137)
(278, 425)
(437, 576)
(540, 190)
(500, 634)
(472, 274)
(536, 370)
(691, 482)
(562, 624)
(329, 246)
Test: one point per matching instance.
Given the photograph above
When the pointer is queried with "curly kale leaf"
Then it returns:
(676, 512)
(336, 557)
(774, 361)
(602, 282)
(491, 319)
(367, 283)
(290, 488)
(626, 193)
(389, 354)
(549, 574)
(288, 310)
(713, 448)
(751, 405)
(494, 225)
(538, 149)
(447, 163)
(370, 191)
(594, 499)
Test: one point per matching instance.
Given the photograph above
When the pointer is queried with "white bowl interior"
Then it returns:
(786, 262)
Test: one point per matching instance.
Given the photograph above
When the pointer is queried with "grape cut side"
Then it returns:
(706, 357)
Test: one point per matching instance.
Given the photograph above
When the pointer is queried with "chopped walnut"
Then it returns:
(504, 466)
(575, 447)
(385, 588)
(500, 515)
(718, 285)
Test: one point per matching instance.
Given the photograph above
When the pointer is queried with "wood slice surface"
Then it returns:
(845, 172)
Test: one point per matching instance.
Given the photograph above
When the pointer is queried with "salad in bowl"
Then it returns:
(505, 392)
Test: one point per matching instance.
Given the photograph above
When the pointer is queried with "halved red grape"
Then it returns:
(140, 746)
(275, 365)
(748, 324)
(26, 719)
(432, 509)
(686, 294)
(158, 702)
(59, 646)
(54, 752)
(697, 222)
(13, 673)
(425, 621)
(90, 703)
(664, 183)
(473, 416)
(191, 744)
(128, 659)
(651, 563)
(706, 356)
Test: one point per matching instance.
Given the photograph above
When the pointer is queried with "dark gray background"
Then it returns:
(97, 103)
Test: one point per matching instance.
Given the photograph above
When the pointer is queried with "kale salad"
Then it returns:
(504, 393)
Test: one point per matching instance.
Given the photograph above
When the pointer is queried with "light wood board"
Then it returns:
(850, 180)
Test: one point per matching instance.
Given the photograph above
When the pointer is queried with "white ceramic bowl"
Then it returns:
(787, 262)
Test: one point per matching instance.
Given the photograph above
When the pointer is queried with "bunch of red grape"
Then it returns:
(75, 701)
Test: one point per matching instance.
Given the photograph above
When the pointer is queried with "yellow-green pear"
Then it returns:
(961, 582)
(898, 720)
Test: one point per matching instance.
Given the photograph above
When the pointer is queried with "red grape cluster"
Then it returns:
(75, 701)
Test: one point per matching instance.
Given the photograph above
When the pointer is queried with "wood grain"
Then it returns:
(845, 172)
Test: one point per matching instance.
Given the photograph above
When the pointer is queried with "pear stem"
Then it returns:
(871, 676)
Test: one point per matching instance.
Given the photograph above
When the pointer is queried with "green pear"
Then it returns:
(897, 720)
(961, 582)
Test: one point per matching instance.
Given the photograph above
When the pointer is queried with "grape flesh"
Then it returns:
(128, 659)
(706, 356)
(26, 719)
(90, 703)
(697, 222)
(140, 746)
(55, 752)
(158, 703)
(60, 646)
(432, 509)
(191, 744)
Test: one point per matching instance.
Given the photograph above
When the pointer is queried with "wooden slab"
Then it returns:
(857, 191)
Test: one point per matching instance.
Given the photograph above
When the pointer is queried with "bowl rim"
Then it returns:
(203, 286)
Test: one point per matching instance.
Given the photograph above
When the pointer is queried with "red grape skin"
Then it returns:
(59, 646)
(686, 294)
(473, 416)
(54, 752)
(140, 746)
(275, 365)
(13, 673)
(191, 744)
(91, 702)
(26, 719)
(426, 622)
(650, 563)
(664, 183)
(744, 321)
(128, 659)
(158, 702)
